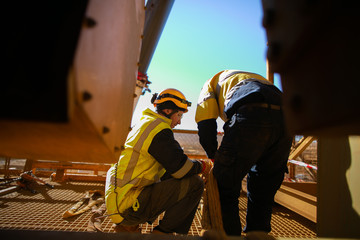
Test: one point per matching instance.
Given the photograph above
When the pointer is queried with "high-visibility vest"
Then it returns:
(136, 168)
(218, 90)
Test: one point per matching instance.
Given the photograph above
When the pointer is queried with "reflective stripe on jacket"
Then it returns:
(136, 168)
(218, 90)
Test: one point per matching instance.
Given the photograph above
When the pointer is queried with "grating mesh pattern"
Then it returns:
(284, 223)
(23, 210)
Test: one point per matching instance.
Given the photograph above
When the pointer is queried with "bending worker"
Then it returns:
(153, 174)
(255, 143)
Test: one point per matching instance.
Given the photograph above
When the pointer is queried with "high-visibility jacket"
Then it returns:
(218, 90)
(136, 168)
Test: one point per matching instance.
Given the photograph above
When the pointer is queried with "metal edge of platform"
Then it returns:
(59, 235)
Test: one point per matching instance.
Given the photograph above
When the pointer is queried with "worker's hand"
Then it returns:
(207, 164)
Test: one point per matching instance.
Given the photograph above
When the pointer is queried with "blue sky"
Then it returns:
(200, 39)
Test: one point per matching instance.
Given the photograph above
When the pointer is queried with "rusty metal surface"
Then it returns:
(86, 107)
(23, 210)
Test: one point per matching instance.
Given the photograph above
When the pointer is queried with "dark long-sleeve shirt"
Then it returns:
(167, 151)
(208, 136)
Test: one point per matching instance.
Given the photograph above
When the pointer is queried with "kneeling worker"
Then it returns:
(153, 174)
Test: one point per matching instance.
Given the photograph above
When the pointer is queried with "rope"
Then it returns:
(211, 212)
(93, 197)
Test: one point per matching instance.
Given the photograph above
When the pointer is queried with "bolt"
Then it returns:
(86, 96)
(89, 22)
(105, 129)
(116, 149)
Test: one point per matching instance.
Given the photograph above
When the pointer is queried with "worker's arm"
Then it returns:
(208, 136)
(167, 151)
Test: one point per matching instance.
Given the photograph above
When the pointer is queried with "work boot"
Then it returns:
(157, 230)
(125, 228)
(213, 235)
(256, 235)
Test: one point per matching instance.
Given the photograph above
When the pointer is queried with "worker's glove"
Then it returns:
(207, 164)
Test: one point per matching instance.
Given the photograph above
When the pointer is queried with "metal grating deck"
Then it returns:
(23, 210)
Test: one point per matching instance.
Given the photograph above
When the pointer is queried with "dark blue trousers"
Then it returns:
(255, 144)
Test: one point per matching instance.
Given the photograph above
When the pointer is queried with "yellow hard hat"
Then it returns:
(174, 96)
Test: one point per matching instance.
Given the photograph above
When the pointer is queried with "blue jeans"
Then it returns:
(255, 144)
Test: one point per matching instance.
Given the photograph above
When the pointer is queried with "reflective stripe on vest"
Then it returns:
(222, 78)
(221, 88)
(134, 160)
(183, 170)
(207, 97)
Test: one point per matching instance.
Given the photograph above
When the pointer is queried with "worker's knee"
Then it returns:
(197, 181)
(197, 184)
(193, 185)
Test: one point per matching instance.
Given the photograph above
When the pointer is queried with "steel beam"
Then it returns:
(156, 14)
